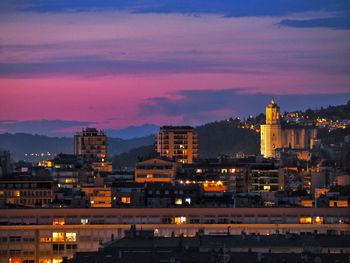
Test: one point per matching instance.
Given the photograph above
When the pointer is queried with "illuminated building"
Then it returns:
(178, 143)
(267, 178)
(98, 194)
(155, 170)
(26, 191)
(274, 136)
(47, 235)
(92, 144)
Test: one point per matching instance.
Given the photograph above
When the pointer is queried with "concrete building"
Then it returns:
(155, 170)
(178, 143)
(5, 163)
(92, 144)
(48, 235)
(274, 136)
(26, 191)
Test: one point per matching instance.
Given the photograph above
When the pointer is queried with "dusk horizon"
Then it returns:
(131, 63)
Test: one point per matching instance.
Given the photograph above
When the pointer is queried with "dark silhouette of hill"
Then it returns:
(20, 144)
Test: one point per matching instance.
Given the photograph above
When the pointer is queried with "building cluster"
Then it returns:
(293, 186)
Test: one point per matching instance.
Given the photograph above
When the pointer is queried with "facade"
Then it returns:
(267, 178)
(5, 163)
(48, 235)
(26, 191)
(155, 170)
(92, 144)
(274, 136)
(178, 143)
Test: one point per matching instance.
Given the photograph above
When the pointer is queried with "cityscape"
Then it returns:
(150, 131)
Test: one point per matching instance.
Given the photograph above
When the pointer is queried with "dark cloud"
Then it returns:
(94, 66)
(206, 105)
(226, 7)
(331, 22)
(43, 127)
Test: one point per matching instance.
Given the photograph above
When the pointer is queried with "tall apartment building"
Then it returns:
(274, 136)
(93, 144)
(178, 143)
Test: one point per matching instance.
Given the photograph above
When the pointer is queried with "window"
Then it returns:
(84, 221)
(178, 201)
(126, 200)
(71, 237)
(267, 187)
(58, 236)
(305, 220)
(56, 260)
(188, 200)
(180, 220)
(58, 221)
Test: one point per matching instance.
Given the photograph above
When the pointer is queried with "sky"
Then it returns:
(113, 64)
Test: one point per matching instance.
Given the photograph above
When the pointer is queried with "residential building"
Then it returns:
(156, 170)
(177, 143)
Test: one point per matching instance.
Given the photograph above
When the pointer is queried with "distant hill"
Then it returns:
(20, 144)
(133, 131)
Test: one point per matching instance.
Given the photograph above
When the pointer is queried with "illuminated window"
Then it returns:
(69, 180)
(43, 260)
(71, 237)
(188, 200)
(18, 193)
(56, 260)
(198, 171)
(58, 236)
(15, 260)
(45, 239)
(232, 170)
(149, 175)
(305, 220)
(58, 221)
(318, 220)
(178, 201)
(126, 200)
(84, 221)
(223, 171)
(180, 220)
(267, 187)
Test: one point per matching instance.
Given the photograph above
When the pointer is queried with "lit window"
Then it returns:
(58, 221)
(126, 200)
(305, 220)
(84, 221)
(180, 220)
(69, 180)
(15, 260)
(232, 170)
(18, 193)
(44, 260)
(58, 236)
(188, 200)
(45, 239)
(56, 260)
(178, 201)
(71, 237)
(267, 187)
(223, 171)
(198, 171)
(318, 220)
(149, 175)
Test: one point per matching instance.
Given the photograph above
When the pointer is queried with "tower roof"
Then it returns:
(273, 104)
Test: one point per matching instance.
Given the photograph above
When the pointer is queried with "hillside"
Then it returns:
(215, 138)
(20, 144)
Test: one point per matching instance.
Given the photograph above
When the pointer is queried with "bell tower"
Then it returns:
(270, 133)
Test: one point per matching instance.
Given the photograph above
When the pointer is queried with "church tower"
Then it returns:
(270, 133)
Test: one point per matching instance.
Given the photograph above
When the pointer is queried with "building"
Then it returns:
(48, 235)
(178, 143)
(274, 136)
(144, 246)
(5, 163)
(92, 144)
(267, 178)
(26, 191)
(155, 170)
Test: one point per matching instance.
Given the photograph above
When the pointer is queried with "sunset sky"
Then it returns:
(111, 64)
